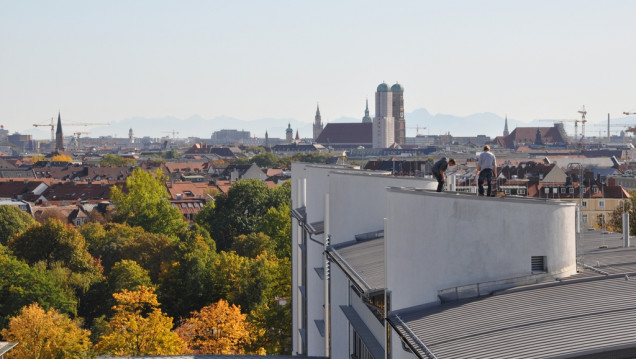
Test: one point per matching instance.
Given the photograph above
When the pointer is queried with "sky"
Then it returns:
(107, 61)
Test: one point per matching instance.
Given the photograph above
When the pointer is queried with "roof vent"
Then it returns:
(538, 264)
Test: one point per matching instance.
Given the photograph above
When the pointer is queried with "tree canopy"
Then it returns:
(13, 221)
(146, 204)
(218, 328)
(138, 327)
(46, 334)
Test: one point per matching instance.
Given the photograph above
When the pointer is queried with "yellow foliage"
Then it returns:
(139, 328)
(217, 329)
(61, 158)
(47, 334)
(37, 158)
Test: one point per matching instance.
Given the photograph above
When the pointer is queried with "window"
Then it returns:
(563, 190)
(547, 190)
(601, 203)
(584, 204)
(507, 191)
(360, 350)
(522, 191)
(595, 189)
(571, 190)
(585, 218)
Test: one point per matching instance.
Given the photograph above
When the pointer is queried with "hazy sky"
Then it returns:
(106, 61)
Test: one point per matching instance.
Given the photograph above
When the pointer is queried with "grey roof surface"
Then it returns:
(584, 315)
(559, 320)
(211, 356)
(362, 261)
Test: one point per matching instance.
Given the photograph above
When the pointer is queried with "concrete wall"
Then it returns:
(436, 241)
(357, 201)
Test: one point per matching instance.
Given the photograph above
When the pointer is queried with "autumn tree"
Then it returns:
(46, 334)
(138, 327)
(13, 221)
(218, 328)
(61, 158)
(146, 204)
(37, 158)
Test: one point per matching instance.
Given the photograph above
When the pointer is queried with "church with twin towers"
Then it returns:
(385, 130)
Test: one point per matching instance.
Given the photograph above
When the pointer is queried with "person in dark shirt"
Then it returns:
(438, 171)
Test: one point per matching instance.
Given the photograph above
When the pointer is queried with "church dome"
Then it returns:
(289, 129)
(383, 87)
(397, 88)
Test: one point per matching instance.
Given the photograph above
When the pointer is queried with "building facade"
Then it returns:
(383, 122)
(367, 245)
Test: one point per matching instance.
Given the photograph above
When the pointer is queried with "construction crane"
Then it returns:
(78, 134)
(417, 129)
(173, 133)
(52, 124)
(631, 129)
(583, 121)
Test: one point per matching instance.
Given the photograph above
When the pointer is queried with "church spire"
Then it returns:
(506, 133)
(366, 117)
(59, 136)
(317, 123)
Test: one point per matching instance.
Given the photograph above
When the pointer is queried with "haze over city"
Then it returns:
(115, 61)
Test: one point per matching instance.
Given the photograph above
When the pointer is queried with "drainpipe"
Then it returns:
(327, 273)
(626, 230)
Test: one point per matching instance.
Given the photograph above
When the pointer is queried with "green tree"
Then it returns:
(271, 315)
(277, 225)
(54, 242)
(106, 243)
(21, 285)
(240, 211)
(13, 221)
(146, 204)
(150, 251)
(46, 334)
(312, 157)
(266, 160)
(253, 245)
(111, 160)
(128, 275)
(185, 282)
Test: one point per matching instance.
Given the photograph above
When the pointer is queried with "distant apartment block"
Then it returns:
(226, 137)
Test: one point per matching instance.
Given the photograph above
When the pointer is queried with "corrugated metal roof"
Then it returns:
(559, 320)
(362, 261)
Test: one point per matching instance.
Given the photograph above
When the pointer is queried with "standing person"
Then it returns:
(487, 167)
(438, 170)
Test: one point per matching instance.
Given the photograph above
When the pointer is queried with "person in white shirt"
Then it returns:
(487, 167)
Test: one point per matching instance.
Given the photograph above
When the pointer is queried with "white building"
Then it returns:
(393, 245)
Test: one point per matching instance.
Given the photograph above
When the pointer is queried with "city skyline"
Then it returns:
(113, 61)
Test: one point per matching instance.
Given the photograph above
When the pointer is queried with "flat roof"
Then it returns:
(568, 319)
